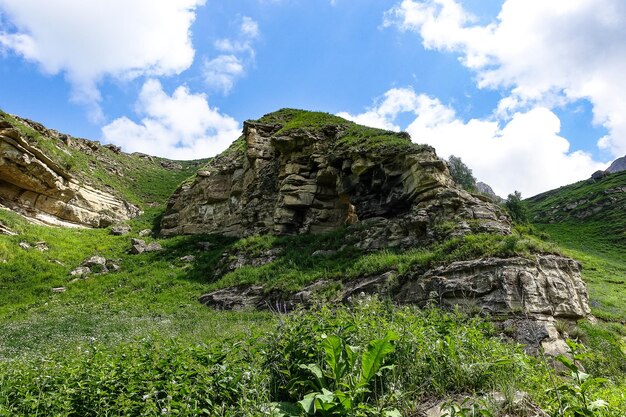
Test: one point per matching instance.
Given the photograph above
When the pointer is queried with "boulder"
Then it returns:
(41, 246)
(120, 230)
(598, 175)
(95, 261)
(81, 271)
(137, 246)
(153, 247)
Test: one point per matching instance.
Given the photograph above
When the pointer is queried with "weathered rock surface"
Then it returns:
(548, 285)
(139, 246)
(541, 287)
(618, 165)
(4, 230)
(35, 186)
(305, 181)
(120, 230)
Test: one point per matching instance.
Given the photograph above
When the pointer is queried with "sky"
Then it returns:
(531, 94)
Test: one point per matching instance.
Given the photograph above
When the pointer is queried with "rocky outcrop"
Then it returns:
(618, 165)
(284, 177)
(525, 295)
(547, 285)
(292, 181)
(38, 188)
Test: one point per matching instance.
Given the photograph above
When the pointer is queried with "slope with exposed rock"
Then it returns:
(295, 172)
(56, 179)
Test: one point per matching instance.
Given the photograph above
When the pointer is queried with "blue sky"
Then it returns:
(529, 93)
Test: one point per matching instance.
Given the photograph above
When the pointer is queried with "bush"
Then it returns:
(517, 208)
(461, 173)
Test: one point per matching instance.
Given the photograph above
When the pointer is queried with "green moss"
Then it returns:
(292, 119)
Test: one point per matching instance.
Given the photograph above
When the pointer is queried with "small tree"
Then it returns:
(517, 208)
(461, 173)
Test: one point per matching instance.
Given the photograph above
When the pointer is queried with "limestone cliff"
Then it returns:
(284, 176)
(35, 186)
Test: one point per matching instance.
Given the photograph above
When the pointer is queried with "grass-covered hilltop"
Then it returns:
(349, 276)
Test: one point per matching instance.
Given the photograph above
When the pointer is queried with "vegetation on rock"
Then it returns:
(136, 341)
(461, 173)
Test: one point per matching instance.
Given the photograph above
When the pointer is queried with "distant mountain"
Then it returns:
(487, 190)
(618, 165)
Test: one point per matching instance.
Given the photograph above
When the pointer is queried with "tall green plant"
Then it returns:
(574, 397)
(342, 384)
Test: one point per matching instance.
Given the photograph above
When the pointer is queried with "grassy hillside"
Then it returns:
(588, 220)
(140, 179)
(137, 341)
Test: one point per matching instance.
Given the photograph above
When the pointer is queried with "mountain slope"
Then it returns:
(135, 340)
(74, 174)
(588, 218)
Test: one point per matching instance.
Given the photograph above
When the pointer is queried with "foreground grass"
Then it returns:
(137, 342)
(366, 359)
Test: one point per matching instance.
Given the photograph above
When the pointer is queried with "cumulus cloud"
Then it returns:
(222, 72)
(545, 53)
(87, 40)
(180, 126)
(526, 153)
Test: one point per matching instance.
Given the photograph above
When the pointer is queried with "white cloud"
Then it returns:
(180, 126)
(545, 52)
(222, 72)
(526, 154)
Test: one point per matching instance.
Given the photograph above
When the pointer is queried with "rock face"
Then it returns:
(283, 181)
(617, 166)
(486, 189)
(33, 185)
(545, 286)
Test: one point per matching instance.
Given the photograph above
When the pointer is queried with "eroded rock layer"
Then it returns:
(35, 186)
(315, 180)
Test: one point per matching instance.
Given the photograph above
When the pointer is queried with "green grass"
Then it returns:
(429, 354)
(295, 267)
(598, 240)
(351, 136)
